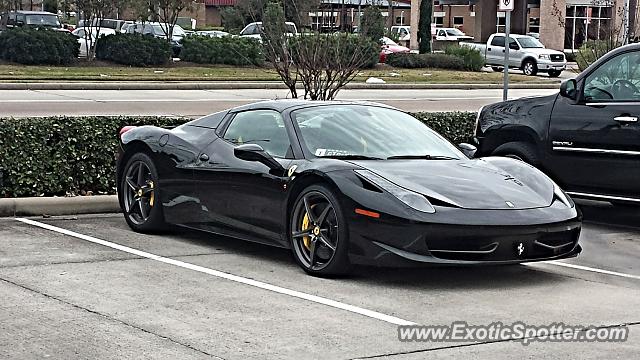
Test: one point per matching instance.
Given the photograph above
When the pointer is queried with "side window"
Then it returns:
(497, 41)
(263, 127)
(441, 33)
(617, 79)
(80, 33)
(249, 31)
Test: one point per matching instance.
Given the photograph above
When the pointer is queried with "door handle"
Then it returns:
(626, 119)
(204, 157)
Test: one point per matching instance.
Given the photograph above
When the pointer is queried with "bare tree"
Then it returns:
(93, 12)
(167, 12)
(323, 63)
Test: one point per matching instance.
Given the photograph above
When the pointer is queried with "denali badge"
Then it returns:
(562, 143)
(510, 204)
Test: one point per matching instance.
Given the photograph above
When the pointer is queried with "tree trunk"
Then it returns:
(424, 26)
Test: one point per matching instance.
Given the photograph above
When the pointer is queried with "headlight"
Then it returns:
(408, 197)
(544, 57)
(562, 196)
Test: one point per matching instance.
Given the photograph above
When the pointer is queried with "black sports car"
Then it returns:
(342, 183)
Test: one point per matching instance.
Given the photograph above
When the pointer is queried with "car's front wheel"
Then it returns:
(530, 68)
(518, 150)
(497, 68)
(318, 232)
(138, 194)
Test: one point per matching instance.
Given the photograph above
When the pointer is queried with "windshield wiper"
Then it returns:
(425, 157)
(352, 157)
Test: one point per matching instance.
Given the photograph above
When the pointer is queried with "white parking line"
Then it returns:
(596, 270)
(220, 274)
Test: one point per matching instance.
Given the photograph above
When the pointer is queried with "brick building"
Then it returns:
(561, 24)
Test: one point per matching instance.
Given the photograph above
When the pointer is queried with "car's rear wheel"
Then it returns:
(518, 150)
(530, 68)
(497, 68)
(139, 195)
(318, 233)
(554, 73)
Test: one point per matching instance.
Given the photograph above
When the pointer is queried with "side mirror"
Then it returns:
(569, 89)
(468, 149)
(514, 46)
(255, 152)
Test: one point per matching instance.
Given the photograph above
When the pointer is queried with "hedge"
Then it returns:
(433, 61)
(473, 60)
(133, 49)
(76, 155)
(38, 46)
(226, 50)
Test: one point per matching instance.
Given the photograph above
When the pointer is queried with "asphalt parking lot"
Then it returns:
(88, 287)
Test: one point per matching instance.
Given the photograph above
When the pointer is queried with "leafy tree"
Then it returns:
(424, 26)
(372, 23)
(167, 12)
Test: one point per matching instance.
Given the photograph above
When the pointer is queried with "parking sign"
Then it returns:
(505, 5)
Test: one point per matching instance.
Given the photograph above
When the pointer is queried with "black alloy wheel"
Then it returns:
(318, 234)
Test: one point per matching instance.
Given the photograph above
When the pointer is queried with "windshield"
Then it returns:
(158, 30)
(455, 32)
(43, 20)
(529, 42)
(387, 41)
(368, 131)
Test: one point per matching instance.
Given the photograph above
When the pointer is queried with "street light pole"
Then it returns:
(507, 30)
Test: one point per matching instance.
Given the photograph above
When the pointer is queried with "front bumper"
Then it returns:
(409, 244)
(546, 65)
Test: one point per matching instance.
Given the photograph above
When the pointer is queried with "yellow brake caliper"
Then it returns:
(305, 226)
(153, 194)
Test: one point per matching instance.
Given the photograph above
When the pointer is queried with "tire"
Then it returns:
(497, 68)
(554, 73)
(323, 234)
(529, 68)
(518, 150)
(139, 195)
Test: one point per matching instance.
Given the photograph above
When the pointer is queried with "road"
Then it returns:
(88, 287)
(20, 103)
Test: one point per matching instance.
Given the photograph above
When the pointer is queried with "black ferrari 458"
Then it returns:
(342, 183)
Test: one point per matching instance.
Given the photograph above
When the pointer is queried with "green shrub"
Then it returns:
(434, 61)
(592, 50)
(133, 49)
(38, 46)
(337, 50)
(473, 60)
(226, 50)
(456, 126)
(73, 155)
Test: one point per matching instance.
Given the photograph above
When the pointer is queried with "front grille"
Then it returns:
(557, 58)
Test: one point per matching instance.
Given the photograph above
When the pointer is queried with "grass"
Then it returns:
(192, 72)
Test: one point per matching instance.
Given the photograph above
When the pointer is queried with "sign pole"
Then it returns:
(507, 7)
(507, 23)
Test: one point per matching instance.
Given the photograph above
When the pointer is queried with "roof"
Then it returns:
(288, 104)
(27, 12)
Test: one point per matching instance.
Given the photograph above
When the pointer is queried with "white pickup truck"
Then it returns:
(525, 53)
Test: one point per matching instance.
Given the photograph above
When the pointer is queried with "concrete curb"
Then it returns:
(35, 206)
(141, 85)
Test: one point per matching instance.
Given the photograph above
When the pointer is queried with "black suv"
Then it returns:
(587, 137)
(36, 19)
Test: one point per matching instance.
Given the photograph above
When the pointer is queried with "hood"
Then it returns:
(479, 184)
(543, 51)
(396, 48)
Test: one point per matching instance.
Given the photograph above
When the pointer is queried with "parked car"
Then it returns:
(81, 34)
(255, 30)
(586, 137)
(389, 47)
(451, 34)
(158, 30)
(35, 19)
(316, 178)
(114, 24)
(525, 53)
(212, 33)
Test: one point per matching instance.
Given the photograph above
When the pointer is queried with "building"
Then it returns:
(577, 20)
